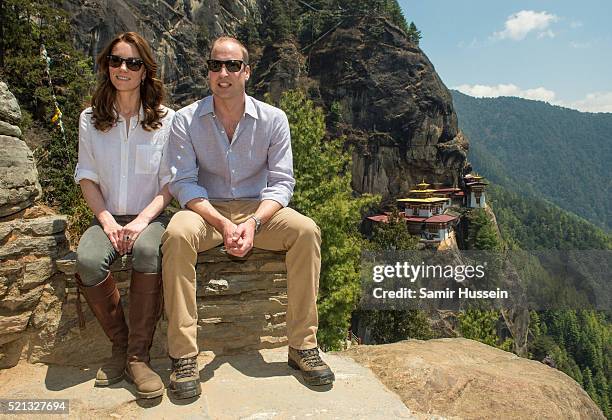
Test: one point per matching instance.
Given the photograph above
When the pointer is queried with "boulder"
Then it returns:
(9, 108)
(465, 379)
(9, 129)
(19, 185)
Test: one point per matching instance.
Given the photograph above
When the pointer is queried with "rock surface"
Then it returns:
(465, 379)
(31, 237)
(394, 107)
(257, 385)
(179, 31)
(19, 185)
(436, 379)
(9, 108)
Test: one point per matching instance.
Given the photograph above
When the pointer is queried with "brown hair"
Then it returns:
(245, 52)
(151, 89)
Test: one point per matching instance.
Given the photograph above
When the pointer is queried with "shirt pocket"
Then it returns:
(148, 158)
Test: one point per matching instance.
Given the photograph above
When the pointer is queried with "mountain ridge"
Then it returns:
(546, 150)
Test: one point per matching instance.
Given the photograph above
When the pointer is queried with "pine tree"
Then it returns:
(26, 26)
(396, 16)
(323, 192)
(589, 386)
(277, 20)
(393, 235)
(603, 390)
(482, 232)
(414, 34)
(391, 325)
(481, 325)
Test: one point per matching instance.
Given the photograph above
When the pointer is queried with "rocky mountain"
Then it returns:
(386, 96)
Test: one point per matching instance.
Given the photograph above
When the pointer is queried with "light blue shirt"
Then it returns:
(256, 164)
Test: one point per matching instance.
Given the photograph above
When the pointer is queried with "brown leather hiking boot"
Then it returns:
(145, 310)
(314, 370)
(105, 302)
(185, 378)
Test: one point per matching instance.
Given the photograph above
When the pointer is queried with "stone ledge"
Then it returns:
(241, 305)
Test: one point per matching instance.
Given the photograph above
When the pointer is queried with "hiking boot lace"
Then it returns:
(184, 368)
(311, 357)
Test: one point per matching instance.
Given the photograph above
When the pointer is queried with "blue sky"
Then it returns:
(559, 51)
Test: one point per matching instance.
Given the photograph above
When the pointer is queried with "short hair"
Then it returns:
(245, 52)
(151, 89)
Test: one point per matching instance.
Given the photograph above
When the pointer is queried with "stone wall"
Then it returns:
(241, 307)
(31, 238)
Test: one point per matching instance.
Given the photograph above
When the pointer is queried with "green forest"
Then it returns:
(579, 341)
(550, 171)
(532, 147)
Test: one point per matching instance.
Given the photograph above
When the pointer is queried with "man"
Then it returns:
(233, 176)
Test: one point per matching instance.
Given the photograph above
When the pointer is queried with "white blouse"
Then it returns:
(125, 165)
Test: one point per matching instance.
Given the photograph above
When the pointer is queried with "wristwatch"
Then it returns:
(257, 222)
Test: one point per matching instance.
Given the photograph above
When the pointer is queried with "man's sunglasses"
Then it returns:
(131, 63)
(230, 65)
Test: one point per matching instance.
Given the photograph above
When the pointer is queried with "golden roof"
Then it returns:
(475, 176)
(423, 185)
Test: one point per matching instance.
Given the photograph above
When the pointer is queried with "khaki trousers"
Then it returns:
(287, 230)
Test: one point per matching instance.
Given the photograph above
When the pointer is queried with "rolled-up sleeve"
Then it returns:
(280, 164)
(86, 164)
(182, 163)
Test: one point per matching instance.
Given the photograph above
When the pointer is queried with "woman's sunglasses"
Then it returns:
(131, 63)
(230, 65)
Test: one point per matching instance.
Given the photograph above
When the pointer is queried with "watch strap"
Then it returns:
(257, 222)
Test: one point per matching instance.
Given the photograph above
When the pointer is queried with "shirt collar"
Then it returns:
(141, 114)
(207, 106)
(249, 106)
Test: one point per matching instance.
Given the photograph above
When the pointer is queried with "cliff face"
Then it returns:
(392, 104)
(179, 31)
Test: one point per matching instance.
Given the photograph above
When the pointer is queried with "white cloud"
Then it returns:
(540, 93)
(520, 24)
(593, 102)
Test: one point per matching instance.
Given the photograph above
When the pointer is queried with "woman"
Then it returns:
(121, 138)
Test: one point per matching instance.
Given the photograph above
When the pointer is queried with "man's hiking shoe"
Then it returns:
(185, 378)
(314, 370)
